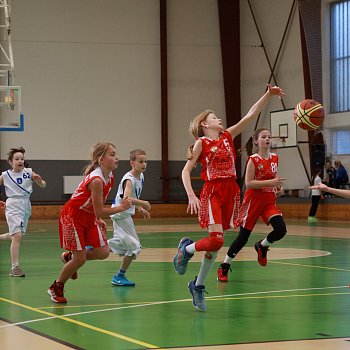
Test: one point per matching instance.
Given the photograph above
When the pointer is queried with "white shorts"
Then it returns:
(18, 212)
(125, 240)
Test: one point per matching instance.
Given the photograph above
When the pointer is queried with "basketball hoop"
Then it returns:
(278, 141)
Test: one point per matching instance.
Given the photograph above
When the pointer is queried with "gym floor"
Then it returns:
(300, 300)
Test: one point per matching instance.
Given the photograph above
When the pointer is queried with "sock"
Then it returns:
(265, 242)
(228, 259)
(191, 248)
(207, 264)
(121, 273)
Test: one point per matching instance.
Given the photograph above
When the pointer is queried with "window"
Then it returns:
(340, 141)
(340, 56)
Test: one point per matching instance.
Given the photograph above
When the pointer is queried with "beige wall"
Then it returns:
(91, 71)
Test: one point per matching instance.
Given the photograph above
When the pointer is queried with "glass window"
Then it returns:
(340, 56)
(340, 141)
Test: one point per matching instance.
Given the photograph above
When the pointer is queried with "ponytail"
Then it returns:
(248, 147)
(96, 153)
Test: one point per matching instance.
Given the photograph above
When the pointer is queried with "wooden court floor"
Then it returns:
(300, 300)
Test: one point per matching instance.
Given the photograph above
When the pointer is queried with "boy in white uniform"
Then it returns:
(125, 241)
(18, 183)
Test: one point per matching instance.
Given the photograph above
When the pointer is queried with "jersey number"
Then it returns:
(25, 176)
(274, 167)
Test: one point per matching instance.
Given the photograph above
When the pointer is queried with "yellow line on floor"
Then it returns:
(82, 324)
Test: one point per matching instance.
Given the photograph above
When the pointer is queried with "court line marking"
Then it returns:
(312, 266)
(283, 296)
(216, 297)
(65, 318)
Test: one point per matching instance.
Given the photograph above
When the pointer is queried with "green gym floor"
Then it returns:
(300, 300)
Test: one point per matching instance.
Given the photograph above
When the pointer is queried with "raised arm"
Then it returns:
(254, 111)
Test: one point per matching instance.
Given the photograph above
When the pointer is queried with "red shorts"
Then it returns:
(219, 203)
(257, 204)
(79, 229)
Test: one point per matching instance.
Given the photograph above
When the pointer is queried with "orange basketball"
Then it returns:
(309, 114)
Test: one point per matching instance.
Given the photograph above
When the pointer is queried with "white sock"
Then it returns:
(265, 242)
(191, 248)
(228, 259)
(206, 266)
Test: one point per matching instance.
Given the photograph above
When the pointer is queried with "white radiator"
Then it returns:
(70, 183)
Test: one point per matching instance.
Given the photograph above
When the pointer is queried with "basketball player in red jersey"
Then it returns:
(263, 185)
(219, 200)
(80, 223)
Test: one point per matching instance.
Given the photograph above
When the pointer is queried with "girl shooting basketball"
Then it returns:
(220, 196)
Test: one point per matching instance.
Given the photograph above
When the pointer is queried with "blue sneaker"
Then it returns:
(122, 281)
(198, 298)
(182, 258)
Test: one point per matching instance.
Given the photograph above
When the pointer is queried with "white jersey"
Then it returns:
(18, 184)
(317, 181)
(137, 185)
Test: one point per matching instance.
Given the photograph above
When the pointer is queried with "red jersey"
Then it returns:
(265, 169)
(82, 199)
(259, 202)
(217, 158)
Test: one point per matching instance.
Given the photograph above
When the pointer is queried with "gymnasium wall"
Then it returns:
(90, 71)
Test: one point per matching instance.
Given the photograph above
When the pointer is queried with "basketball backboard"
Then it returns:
(283, 129)
(11, 117)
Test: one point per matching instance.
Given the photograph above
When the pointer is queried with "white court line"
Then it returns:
(166, 302)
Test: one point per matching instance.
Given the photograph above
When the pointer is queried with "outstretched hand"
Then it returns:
(320, 186)
(275, 90)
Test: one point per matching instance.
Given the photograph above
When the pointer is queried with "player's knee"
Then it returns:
(102, 252)
(279, 229)
(215, 243)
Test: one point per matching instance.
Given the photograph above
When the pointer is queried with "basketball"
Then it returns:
(309, 114)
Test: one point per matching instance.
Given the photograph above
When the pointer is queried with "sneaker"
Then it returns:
(182, 258)
(197, 292)
(262, 253)
(122, 281)
(312, 219)
(56, 292)
(223, 272)
(65, 257)
(17, 272)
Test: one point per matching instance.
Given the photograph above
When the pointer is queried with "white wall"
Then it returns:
(195, 68)
(89, 71)
(271, 17)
